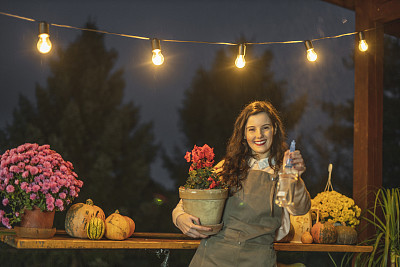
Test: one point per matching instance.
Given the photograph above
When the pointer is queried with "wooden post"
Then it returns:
(368, 110)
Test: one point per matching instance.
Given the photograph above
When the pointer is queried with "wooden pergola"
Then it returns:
(384, 17)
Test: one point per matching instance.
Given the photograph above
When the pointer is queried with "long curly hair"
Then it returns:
(238, 152)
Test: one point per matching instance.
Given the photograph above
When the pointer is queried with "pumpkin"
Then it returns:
(346, 235)
(117, 227)
(306, 238)
(324, 233)
(289, 236)
(78, 217)
(131, 225)
(95, 228)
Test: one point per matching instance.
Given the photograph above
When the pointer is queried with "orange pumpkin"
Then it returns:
(306, 238)
(131, 225)
(117, 227)
(289, 236)
(324, 233)
(78, 217)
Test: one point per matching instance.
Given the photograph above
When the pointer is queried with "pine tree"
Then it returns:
(81, 114)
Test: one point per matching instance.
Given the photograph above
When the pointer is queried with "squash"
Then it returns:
(95, 228)
(289, 236)
(78, 217)
(324, 233)
(346, 235)
(117, 227)
(131, 225)
(306, 238)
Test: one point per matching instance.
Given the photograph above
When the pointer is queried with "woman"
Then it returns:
(252, 220)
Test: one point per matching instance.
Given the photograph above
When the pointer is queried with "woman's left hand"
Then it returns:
(297, 161)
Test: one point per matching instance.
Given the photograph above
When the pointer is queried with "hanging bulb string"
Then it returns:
(186, 41)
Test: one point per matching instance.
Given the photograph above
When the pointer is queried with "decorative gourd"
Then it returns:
(96, 228)
(79, 215)
(289, 236)
(346, 235)
(306, 238)
(117, 227)
(131, 225)
(324, 233)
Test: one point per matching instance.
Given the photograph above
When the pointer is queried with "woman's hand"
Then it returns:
(297, 161)
(189, 225)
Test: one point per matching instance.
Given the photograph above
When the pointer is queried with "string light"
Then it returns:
(363, 46)
(44, 44)
(311, 55)
(240, 62)
(157, 58)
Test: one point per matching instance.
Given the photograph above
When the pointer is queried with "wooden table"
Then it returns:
(150, 241)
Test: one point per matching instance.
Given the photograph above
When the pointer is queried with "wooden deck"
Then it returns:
(150, 241)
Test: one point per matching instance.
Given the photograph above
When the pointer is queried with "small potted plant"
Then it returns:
(34, 178)
(204, 193)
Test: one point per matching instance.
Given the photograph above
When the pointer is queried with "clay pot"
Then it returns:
(36, 218)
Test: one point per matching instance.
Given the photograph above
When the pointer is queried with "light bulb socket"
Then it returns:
(43, 27)
(155, 44)
(308, 45)
(242, 50)
(361, 35)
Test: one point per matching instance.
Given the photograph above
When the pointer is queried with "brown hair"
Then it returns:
(238, 152)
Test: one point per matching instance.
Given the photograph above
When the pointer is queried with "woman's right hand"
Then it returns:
(189, 225)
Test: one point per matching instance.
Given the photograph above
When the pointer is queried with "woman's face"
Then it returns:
(259, 133)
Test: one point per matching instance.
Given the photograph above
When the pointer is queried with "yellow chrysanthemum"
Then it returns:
(335, 207)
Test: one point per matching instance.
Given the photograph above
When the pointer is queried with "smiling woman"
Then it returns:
(251, 219)
(259, 134)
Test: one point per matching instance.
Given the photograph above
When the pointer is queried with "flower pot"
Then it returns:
(206, 204)
(36, 218)
(36, 224)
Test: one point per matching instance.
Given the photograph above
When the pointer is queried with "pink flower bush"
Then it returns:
(33, 175)
(201, 172)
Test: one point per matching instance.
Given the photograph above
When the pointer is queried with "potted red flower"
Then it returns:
(204, 192)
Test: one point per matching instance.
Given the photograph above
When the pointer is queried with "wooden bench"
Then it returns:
(162, 242)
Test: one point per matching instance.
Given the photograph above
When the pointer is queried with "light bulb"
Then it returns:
(240, 62)
(157, 58)
(363, 46)
(311, 55)
(44, 44)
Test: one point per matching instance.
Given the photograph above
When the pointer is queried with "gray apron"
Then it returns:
(250, 221)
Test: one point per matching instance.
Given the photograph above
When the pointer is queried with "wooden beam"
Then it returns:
(393, 28)
(368, 111)
(386, 11)
(349, 4)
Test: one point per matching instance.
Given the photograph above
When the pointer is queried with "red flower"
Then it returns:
(187, 156)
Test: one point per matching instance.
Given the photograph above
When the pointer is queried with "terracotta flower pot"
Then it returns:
(208, 205)
(36, 218)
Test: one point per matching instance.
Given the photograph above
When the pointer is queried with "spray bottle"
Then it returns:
(287, 182)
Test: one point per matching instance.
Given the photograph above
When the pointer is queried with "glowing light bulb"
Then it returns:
(157, 58)
(240, 62)
(311, 55)
(44, 44)
(363, 46)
